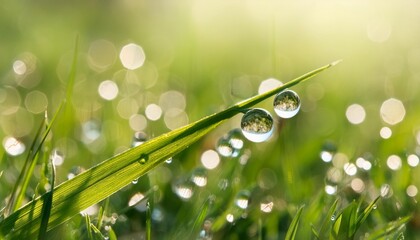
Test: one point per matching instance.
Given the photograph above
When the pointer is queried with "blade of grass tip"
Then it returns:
(88, 227)
(97, 235)
(366, 212)
(35, 152)
(148, 222)
(315, 232)
(291, 232)
(46, 207)
(111, 234)
(389, 228)
(102, 212)
(111, 175)
(329, 218)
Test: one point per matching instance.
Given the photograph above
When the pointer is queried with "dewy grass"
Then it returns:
(111, 175)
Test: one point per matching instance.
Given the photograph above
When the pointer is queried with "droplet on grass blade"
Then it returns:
(199, 177)
(242, 199)
(138, 139)
(143, 159)
(286, 104)
(257, 125)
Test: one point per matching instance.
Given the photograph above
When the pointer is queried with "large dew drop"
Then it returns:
(242, 199)
(257, 125)
(286, 104)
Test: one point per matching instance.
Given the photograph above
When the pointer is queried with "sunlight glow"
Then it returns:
(132, 56)
(392, 111)
(108, 90)
(210, 159)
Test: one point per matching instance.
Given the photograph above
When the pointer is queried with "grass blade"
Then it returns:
(148, 222)
(46, 206)
(389, 228)
(291, 232)
(78, 193)
(200, 218)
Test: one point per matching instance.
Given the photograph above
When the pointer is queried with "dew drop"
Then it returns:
(286, 104)
(135, 181)
(205, 233)
(199, 177)
(333, 218)
(375, 206)
(257, 125)
(143, 159)
(223, 184)
(224, 147)
(138, 139)
(169, 160)
(236, 139)
(242, 199)
(183, 189)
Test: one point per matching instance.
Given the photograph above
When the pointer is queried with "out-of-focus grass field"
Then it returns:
(357, 134)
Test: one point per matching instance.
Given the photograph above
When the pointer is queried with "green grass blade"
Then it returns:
(328, 218)
(389, 229)
(46, 207)
(200, 218)
(88, 227)
(366, 212)
(78, 193)
(291, 232)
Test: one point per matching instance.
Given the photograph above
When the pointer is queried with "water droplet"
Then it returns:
(139, 138)
(223, 184)
(74, 171)
(224, 147)
(230, 218)
(135, 199)
(375, 206)
(333, 217)
(169, 160)
(328, 151)
(57, 158)
(199, 177)
(205, 233)
(158, 214)
(236, 139)
(257, 125)
(183, 189)
(267, 204)
(286, 104)
(135, 181)
(242, 199)
(143, 159)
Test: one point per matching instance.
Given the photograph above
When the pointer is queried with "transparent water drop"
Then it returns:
(205, 233)
(199, 177)
(223, 184)
(242, 199)
(236, 139)
(224, 147)
(183, 190)
(158, 214)
(74, 171)
(138, 139)
(143, 159)
(333, 217)
(169, 160)
(328, 151)
(286, 104)
(230, 218)
(57, 157)
(135, 181)
(257, 125)
(375, 206)
(135, 199)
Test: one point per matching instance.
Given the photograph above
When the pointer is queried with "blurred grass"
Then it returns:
(205, 50)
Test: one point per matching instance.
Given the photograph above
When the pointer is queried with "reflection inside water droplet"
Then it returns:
(135, 181)
(183, 189)
(286, 104)
(257, 125)
(138, 139)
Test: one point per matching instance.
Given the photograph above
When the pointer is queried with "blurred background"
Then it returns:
(147, 67)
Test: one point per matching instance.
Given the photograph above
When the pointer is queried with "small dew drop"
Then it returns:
(223, 184)
(242, 199)
(183, 189)
(169, 160)
(143, 159)
(199, 177)
(286, 104)
(224, 147)
(333, 218)
(230, 218)
(138, 139)
(257, 125)
(135, 181)
(375, 206)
